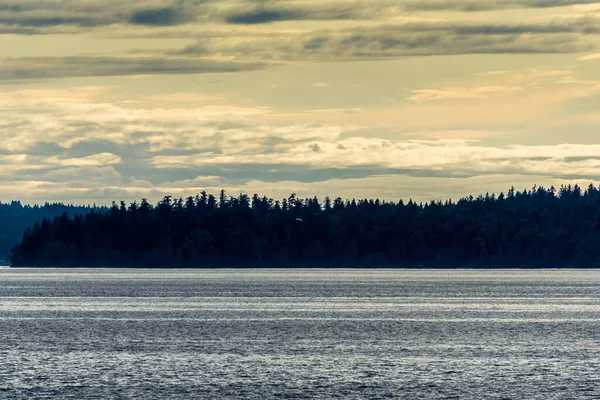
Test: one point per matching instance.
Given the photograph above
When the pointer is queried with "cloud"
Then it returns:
(311, 43)
(42, 22)
(93, 13)
(99, 159)
(81, 148)
(148, 139)
(262, 15)
(410, 39)
(69, 67)
(84, 93)
(489, 5)
(447, 157)
(158, 17)
(186, 97)
(285, 12)
(43, 164)
(480, 92)
(304, 10)
(19, 30)
(48, 16)
(589, 57)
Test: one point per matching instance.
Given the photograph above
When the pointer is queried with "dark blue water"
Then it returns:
(162, 334)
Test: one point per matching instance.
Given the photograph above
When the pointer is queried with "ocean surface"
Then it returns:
(261, 334)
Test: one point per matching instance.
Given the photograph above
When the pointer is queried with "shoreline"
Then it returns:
(388, 268)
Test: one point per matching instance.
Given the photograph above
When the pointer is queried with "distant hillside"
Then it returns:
(533, 228)
(15, 218)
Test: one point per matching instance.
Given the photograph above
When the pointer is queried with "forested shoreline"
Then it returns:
(15, 217)
(530, 228)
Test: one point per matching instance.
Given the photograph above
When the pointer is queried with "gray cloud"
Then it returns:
(67, 67)
(416, 39)
(97, 13)
(233, 174)
(36, 21)
(262, 16)
(267, 14)
(277, 12)
(488, 5)
(163, 13)
(240, 173)
(101, 152)
(19, 30)
(158, 17)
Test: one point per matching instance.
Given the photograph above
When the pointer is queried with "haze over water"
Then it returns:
(155, 334)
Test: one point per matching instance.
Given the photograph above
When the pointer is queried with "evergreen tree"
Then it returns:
(530, 228)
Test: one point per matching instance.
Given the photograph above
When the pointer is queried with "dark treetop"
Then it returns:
(533, 228)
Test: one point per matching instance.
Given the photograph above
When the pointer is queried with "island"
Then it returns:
(531, 228)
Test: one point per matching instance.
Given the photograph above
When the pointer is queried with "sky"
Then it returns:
(104, 100)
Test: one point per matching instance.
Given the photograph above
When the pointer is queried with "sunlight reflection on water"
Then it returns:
(154, 334)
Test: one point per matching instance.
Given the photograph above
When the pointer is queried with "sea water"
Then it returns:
(289, 333)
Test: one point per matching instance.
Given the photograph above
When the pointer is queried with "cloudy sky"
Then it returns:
(105, 100)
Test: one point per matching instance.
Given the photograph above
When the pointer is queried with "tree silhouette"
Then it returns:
(530, 228)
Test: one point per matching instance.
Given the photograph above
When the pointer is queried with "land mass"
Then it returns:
(16, 217)
(530, 228)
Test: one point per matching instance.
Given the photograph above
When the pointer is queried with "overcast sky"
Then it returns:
(105, 100)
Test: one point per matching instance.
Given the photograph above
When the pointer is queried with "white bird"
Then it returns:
(299, 220)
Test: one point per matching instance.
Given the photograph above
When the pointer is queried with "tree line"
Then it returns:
(530, 228)
(16, 217)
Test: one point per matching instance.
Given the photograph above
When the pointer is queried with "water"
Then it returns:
(415, 334)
